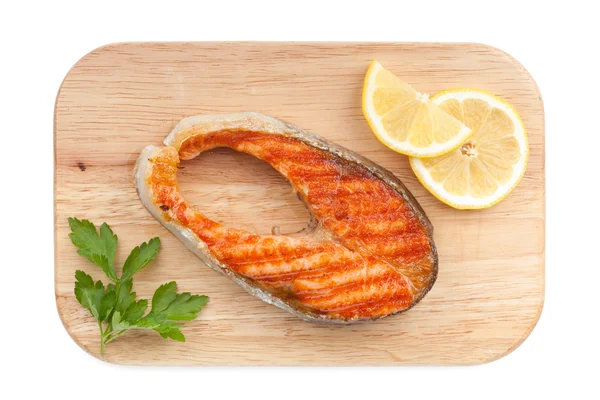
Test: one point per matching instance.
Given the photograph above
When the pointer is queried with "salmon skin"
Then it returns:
(368, 251)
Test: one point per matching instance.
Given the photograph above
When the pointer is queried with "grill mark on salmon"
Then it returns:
(368, 252)
(367, 293)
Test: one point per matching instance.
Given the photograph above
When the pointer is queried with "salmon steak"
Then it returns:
(367, 253)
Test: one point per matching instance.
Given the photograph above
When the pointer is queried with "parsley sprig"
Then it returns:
(114, 306)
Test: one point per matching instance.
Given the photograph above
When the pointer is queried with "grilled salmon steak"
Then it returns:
(368, 252)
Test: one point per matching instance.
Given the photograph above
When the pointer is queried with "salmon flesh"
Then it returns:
(368, 252)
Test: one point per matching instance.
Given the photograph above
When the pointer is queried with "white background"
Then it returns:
(558, 44)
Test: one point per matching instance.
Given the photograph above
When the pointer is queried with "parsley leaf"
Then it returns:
(168, 306)
(94, 297)
(99, 249)
(139, 257)
(177, 307)
(135, 311)
(115, 306)
(124, 294)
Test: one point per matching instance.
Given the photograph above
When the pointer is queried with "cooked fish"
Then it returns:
(368, 252)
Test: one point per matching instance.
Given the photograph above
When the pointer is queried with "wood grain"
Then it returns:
(121, 97)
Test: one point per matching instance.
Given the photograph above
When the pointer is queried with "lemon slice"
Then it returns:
(405, 120)
(483, 170)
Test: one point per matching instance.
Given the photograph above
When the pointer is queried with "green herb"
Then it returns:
(115, 306)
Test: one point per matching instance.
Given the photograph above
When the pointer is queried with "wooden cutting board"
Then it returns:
(121, 97)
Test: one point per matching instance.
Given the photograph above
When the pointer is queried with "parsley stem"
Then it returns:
(101, 338)
(116, 335)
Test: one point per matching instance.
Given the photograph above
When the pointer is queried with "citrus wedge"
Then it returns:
(407, 121)
(488, 166)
